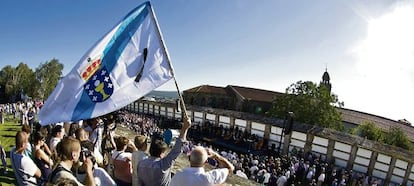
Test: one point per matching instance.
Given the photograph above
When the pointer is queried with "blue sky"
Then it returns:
(367, 46)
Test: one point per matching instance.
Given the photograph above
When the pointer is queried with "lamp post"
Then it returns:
(286, 129)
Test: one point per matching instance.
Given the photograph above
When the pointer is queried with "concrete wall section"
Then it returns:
(258, 126)
(170, 112)
(224, 119)
(241, 123)
(258, 133)
(211, 118)
(320, 145)
(298, 140)
(163, 111)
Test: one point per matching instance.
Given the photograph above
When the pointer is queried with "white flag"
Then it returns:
(126, 64)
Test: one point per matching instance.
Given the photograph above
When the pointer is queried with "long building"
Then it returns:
(258, 101)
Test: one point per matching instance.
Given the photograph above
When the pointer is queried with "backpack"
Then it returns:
(55, 171)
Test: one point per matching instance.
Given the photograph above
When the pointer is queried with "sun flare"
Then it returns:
(385, 62)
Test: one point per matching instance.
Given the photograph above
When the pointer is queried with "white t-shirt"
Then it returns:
(191, 176)
(24, 169)
(321, 177)
(53, 143)
(100, 176)
(241, 174)
(123, 156)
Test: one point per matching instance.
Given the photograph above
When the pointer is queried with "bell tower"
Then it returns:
(326, 80)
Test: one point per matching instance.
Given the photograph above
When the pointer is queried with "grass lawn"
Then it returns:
(7, 133)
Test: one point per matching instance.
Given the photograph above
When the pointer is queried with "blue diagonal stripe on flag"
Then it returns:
(113, 73)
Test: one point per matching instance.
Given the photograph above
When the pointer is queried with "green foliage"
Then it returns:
(38, 84)
(18, 79)
(48, 74)
(310, 103)
(397, 137)
(368, 130)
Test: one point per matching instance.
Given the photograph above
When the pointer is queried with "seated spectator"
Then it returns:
(25, 169)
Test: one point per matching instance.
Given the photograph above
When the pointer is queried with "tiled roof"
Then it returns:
(256, 94)
(357, 117)
(208, 89)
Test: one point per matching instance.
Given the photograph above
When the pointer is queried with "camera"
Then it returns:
(86, 153)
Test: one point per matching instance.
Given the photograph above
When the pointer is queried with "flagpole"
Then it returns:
(182, 105)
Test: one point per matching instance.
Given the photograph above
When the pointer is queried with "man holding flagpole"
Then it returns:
(130, 61)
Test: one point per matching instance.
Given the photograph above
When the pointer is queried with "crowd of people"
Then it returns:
(74, 154)
(265, 166)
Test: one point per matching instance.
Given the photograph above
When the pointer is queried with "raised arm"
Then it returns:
(223, 162)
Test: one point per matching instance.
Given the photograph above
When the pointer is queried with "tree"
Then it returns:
(17, 80)
(26, 80)
(368, 130)
(48, 75)
(397, 137)
(310, 103)
(6, 79)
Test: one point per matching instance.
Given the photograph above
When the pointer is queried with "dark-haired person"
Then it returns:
(68, 153)
(25, 169)
(31, 116)
(57, 134)
(156, 170)
(40, 155)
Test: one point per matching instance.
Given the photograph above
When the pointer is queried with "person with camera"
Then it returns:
(196, 175)
(68, 154)
(100, 175)
(156, 169)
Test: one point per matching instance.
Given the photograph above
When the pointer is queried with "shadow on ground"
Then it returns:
(11, 129)
(7, 179)
(8, 136)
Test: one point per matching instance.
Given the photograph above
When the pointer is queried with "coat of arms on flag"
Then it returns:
(98, 84)
(99, 88)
